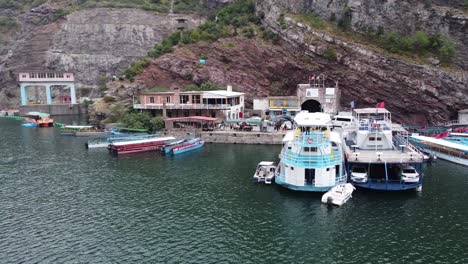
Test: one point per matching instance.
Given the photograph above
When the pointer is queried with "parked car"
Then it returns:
(359, 174)
(409, 174)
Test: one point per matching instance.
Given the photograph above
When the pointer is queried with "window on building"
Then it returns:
(186, 113)
(151, 100)
(59, 75)
(184, 99)
(168, 99)
(195, 99)
(24, 75)
(205, 101)
(68, 76)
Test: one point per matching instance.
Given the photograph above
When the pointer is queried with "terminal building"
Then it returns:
(221, 104)
(319, 95)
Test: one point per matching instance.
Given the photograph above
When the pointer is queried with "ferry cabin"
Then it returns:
(310, 161)
(379, 159)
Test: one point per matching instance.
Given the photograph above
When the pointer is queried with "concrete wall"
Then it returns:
(230, 137)
(54, 110)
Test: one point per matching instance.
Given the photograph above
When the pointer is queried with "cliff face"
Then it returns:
(92, 43)
(253, 66)
(443, 17)
(414, 93)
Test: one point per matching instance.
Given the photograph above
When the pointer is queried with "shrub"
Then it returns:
(108, 99)
(282, 21)
(60, 13)
(446, 51)
(136, 69)
(330, 54)
(249, 32)
(156, 123)
(346, 19)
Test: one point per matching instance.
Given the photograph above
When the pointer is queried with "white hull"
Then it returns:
(339, 194)
(98, 145)
(447, 157)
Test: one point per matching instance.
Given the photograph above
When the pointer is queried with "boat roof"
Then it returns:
(289, 136)
(442, 142)
(143, 141)
(371, 111)
(188, 118)
(459, 134)
(37, 114)
(78, 127)
(266, 163)
(305, 118)
(335, 137)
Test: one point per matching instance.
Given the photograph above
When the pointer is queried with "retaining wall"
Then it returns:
(231, 137)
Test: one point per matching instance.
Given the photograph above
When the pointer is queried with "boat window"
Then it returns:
(343, 119)
(359, 169)
(292, 168)
(310, 149)
(379, 139)
(328, 169)
(372, 139)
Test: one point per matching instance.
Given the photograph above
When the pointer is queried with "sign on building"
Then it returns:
(312, 93)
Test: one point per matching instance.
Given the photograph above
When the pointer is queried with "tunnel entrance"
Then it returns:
(312, 106)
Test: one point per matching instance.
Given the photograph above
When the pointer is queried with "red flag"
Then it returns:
(312, 78)
(380, 105)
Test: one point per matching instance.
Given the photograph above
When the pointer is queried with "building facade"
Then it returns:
(45, 87)
(221, 104)
(316, 96)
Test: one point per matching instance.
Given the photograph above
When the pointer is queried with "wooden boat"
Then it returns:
(136, 146)
(189, 146)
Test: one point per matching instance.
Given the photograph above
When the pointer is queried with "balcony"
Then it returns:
(184, 106)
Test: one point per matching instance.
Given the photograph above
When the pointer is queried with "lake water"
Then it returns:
(60, 203)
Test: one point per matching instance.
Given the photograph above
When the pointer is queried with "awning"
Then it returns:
(192, 118)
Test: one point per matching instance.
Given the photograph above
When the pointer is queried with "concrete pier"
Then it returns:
(231, 137)
(54, 109)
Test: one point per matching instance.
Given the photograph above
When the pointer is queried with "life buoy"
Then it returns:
(310, 140)
(278, 169)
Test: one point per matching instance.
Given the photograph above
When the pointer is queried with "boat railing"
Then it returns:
(384, 156)
(400, 140)
(319, 160)
(391, 181)
(312, 138)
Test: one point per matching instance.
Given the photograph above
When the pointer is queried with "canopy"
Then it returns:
(37, 114)
(191, 118)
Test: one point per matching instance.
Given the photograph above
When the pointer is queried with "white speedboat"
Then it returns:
(339, 194)
(265, 172)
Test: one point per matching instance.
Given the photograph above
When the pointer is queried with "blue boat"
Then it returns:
(188, 146)
(175, 143)
(311, 160)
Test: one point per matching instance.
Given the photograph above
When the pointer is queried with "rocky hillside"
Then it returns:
(282, 46)
(80, 36)
(416, 93)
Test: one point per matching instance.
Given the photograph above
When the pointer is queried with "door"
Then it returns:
(310, 176)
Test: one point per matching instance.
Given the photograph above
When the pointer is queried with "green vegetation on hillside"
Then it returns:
(7, 23)
(238, 18)
(130, 118)
(20, 4)
(417, 47)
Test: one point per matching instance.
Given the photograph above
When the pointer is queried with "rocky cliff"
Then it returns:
(416, 93)
(441, 17)
(93, 43)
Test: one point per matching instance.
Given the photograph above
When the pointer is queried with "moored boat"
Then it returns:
(189, 146)
(71, 130)
(174, 143)
(449, 150)
(379, 156)
(265, 172)
(311, 159)
(339, 194)
(38, 119)
(105, 143)
(136, 146)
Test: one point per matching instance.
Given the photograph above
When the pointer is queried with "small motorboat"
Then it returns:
(265, 172)
(339, 194)
(166, 150)
(193, 144)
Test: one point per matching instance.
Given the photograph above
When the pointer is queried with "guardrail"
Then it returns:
(182, 106)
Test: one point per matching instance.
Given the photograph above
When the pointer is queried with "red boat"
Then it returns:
(136, 146)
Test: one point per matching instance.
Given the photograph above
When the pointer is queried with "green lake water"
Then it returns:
(61, 203)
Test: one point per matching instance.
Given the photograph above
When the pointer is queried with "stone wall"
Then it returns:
(230, 137)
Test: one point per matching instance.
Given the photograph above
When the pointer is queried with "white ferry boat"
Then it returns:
(311, 159)
(452, 150)
(379, 156)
